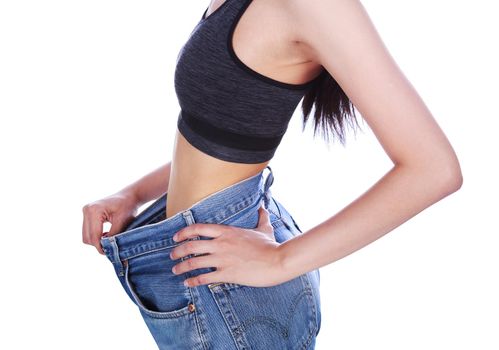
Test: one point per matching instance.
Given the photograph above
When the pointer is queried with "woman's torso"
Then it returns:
(263, 40)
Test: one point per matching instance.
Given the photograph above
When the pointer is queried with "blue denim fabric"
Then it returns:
(219, 315)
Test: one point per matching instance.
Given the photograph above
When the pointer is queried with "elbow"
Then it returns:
(444, 178)
(439, 170)
(451, 178)
(450, 174)
(455, 182)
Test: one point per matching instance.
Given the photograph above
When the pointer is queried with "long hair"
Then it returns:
(333, 108)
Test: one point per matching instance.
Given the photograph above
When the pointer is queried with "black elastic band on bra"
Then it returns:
(229, 138)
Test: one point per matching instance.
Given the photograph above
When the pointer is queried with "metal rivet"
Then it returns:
(192, 308)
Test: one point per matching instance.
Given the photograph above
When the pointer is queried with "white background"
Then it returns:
(87, 106)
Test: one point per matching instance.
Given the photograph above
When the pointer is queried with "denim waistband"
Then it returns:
(143, 235)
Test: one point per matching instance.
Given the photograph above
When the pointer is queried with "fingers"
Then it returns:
(264, 220)
(92, 228)
(205, 278)
(96, 234)
(117, 225)
(192, 247)
(198, 229)
(193, 264)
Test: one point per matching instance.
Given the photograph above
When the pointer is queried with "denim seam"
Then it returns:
(116, 256)
(227, 310)
(308, 286)
(150, 251)
(280, 328)
(316, 307)
(309, 340)
(251, 204)
(273, 212)
(279, 209)
(201, 335)
(277, 223)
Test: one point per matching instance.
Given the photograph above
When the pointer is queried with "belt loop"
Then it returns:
(189, 220)
(267, 194)
(116, 255)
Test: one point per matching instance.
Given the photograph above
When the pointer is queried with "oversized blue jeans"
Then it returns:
(218, 315)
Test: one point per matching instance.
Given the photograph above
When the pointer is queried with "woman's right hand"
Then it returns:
(118, 209)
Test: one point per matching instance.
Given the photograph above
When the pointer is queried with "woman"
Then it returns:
(250, 281)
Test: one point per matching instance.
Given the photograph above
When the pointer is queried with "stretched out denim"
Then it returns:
(218, 315)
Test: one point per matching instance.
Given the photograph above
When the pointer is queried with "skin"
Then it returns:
(338, 35)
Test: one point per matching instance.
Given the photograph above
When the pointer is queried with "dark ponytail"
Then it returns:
(333, 108)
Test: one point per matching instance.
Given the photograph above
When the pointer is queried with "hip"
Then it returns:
(218, 315)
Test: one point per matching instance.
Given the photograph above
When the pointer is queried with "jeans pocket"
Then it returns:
(164, 302)
(154, 288)
(278, 317)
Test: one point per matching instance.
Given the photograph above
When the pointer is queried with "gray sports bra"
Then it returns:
(228, 110)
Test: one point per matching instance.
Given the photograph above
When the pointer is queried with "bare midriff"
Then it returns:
(195, 175)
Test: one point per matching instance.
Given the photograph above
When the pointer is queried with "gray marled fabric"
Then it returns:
(230, 100)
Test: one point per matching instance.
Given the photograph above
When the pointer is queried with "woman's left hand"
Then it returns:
(244, 256)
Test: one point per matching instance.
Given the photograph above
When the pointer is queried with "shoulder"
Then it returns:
(315, 20)
(342, 38)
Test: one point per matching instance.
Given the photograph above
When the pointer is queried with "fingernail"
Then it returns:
(175, 237)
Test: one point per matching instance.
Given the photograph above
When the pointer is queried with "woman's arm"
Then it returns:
(425, 169)
(150, 186)
(398, 196)
(120, 208)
